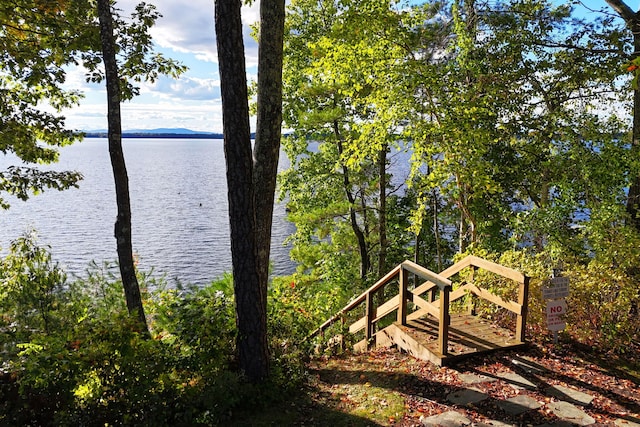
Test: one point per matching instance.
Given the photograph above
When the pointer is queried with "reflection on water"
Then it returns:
(179, 210)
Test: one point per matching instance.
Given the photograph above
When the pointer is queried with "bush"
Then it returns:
(75, 358)
(602, 303)
(31, 291)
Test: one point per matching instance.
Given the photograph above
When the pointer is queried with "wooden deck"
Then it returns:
(468, 335)
(427, 329)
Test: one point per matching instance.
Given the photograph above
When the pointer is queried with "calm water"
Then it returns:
(179, 210)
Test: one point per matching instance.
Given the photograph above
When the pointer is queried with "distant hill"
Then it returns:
(181, 133)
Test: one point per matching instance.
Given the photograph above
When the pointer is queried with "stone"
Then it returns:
(475, 378)
(557, 424)
(627, 422)
(519, 404)
(517, 381)
(446, 419)
(571, 413)
(493, 423)
(528, 365)
(569, 395)
(467, 396)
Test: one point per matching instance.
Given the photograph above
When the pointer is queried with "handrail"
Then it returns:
(418, 270)
(356, 302)
(441, 311)
(474, 261)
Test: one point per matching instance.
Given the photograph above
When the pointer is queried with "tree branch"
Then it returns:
(623, 10)
(571, 46)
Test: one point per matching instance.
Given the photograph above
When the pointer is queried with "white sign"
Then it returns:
(559, 288)
(555, 314)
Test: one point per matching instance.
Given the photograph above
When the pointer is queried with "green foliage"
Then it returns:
(503, 109)
(90, 366)
(30, 290)
(603, 298)
(137, 59)
(39, 42)
(198, 321)
(293, 310)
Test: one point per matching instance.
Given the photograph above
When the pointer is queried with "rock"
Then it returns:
(518, 405)
(528, 365)
(493, 423)
(475, 378)
(467, 396)
(517, 381)
(627, 422)
(569, 395)
(446, 419)
(571, 413)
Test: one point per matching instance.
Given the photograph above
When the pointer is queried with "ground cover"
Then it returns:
(548, 384)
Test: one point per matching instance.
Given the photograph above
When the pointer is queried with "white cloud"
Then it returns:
(188, 27)
(77, 79)
(185, 31)
(202, 116)
(185, 88)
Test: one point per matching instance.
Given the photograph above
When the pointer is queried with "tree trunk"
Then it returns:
(365, 261)
(632, 20)
(382, 172)
(251, 317)
(268, 130)
(122, 229)
(633, 198)
(436, 231)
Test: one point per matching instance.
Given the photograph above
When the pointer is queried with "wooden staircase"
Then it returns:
(418, 318)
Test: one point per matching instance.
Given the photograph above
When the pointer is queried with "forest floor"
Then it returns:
(541, 385)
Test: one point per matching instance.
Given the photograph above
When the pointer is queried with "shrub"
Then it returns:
(31, 287)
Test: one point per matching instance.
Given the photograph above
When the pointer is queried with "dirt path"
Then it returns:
(542, 385)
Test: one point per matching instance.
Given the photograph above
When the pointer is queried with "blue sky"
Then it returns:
(186, 33)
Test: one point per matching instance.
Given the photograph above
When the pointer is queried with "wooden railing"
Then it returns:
(437, 289)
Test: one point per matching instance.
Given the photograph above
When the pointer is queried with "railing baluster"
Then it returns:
(471, 302)
(443, 326)
(370, 315)
(402, 292)
(521, 319)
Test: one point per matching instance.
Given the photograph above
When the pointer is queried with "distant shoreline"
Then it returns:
(159, 135)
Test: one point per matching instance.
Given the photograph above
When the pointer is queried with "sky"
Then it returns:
(186, 33)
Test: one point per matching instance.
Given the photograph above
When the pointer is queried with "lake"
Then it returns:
(178, 205)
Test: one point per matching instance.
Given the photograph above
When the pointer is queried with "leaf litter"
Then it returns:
(386, 387)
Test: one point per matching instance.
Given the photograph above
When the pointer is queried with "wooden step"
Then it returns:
(468, 335)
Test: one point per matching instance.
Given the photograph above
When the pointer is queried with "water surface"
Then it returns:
(178, 202)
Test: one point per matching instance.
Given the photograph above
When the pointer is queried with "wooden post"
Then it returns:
(471, 304)
(343, 320)
(521, 320)
(443, 326)
(370, 314)
(402, 292)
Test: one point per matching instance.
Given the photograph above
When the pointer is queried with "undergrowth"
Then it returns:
(73, 356)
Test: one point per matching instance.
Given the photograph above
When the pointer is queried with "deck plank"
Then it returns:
(468, 335)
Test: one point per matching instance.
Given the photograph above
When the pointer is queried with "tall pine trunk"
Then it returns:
(268, 127)
(122, 229)
(250, 295)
